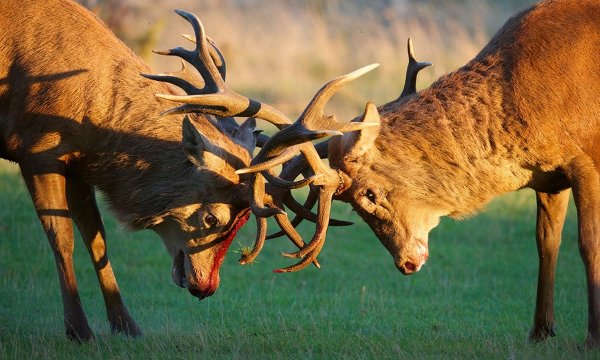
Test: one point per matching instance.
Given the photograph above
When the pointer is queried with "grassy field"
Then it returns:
(474, 298)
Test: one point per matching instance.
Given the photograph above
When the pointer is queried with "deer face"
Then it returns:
(198, 240)
(198, 233)
(401, 223)
(395, 214)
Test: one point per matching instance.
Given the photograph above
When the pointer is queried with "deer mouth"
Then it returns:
(205, 286)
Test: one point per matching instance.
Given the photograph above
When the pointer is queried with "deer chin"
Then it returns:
(198, 284)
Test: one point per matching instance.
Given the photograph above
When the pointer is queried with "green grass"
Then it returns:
(474, 298)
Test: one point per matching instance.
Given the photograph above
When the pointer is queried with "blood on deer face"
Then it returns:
(198, 241)
(197, 235)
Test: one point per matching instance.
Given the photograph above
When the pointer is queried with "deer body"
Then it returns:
(76, 115)
(524, 112)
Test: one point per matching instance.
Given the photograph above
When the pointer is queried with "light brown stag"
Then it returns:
(77, 116)
(523, 113)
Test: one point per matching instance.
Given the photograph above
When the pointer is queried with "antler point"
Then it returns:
(242, 171)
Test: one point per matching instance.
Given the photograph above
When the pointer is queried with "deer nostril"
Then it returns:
(406, 268)
(409, 267)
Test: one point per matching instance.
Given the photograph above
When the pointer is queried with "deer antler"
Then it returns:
(312, 124)
(299, 162)
(413, 68)
(214, 97)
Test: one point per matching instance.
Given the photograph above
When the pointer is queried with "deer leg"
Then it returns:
(585, 181)
(48, 194)
(551, 212)
(84, 210)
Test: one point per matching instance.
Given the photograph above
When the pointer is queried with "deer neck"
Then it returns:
(460, 139)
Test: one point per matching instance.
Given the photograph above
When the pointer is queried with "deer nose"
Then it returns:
(407, 267)
(200, 294)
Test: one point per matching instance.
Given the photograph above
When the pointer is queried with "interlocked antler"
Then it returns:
(281, 147)
(215, 98)
(299, 165)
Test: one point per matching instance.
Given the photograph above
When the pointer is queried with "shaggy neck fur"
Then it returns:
(456, 142)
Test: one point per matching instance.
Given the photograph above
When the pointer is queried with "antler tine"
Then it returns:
(183, 78)
(282, 183)
(313, 248)
(311, 200)
(201, 57)
(285, 155)
(315, 107)
(215, 54)
(214, 97)
(257, 204)
(302, 210)
(311, 125)
(287, 228)
(292, 234)
(324, 211)
(412, 69)
(261, 234)
(218, 58)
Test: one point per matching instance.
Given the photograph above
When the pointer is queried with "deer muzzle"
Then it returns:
(413, 262)
(203, 281)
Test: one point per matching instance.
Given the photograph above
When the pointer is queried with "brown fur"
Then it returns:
(525, 112)
(76, 115)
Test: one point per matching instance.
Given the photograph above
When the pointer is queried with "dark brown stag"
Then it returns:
(523, 113)
(76, 115)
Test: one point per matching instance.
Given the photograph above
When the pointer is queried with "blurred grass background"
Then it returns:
(474, 298)
(282, 52)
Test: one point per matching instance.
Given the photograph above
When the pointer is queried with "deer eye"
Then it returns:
(371, 196)
(210, 220)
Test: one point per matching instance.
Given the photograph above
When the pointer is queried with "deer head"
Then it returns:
(399, 218)
(198, 235)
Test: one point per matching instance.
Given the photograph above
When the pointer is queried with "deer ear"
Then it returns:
(246, 134)
(356, 144)
(196, 145)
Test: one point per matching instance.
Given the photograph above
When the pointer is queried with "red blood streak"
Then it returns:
(214, 271)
